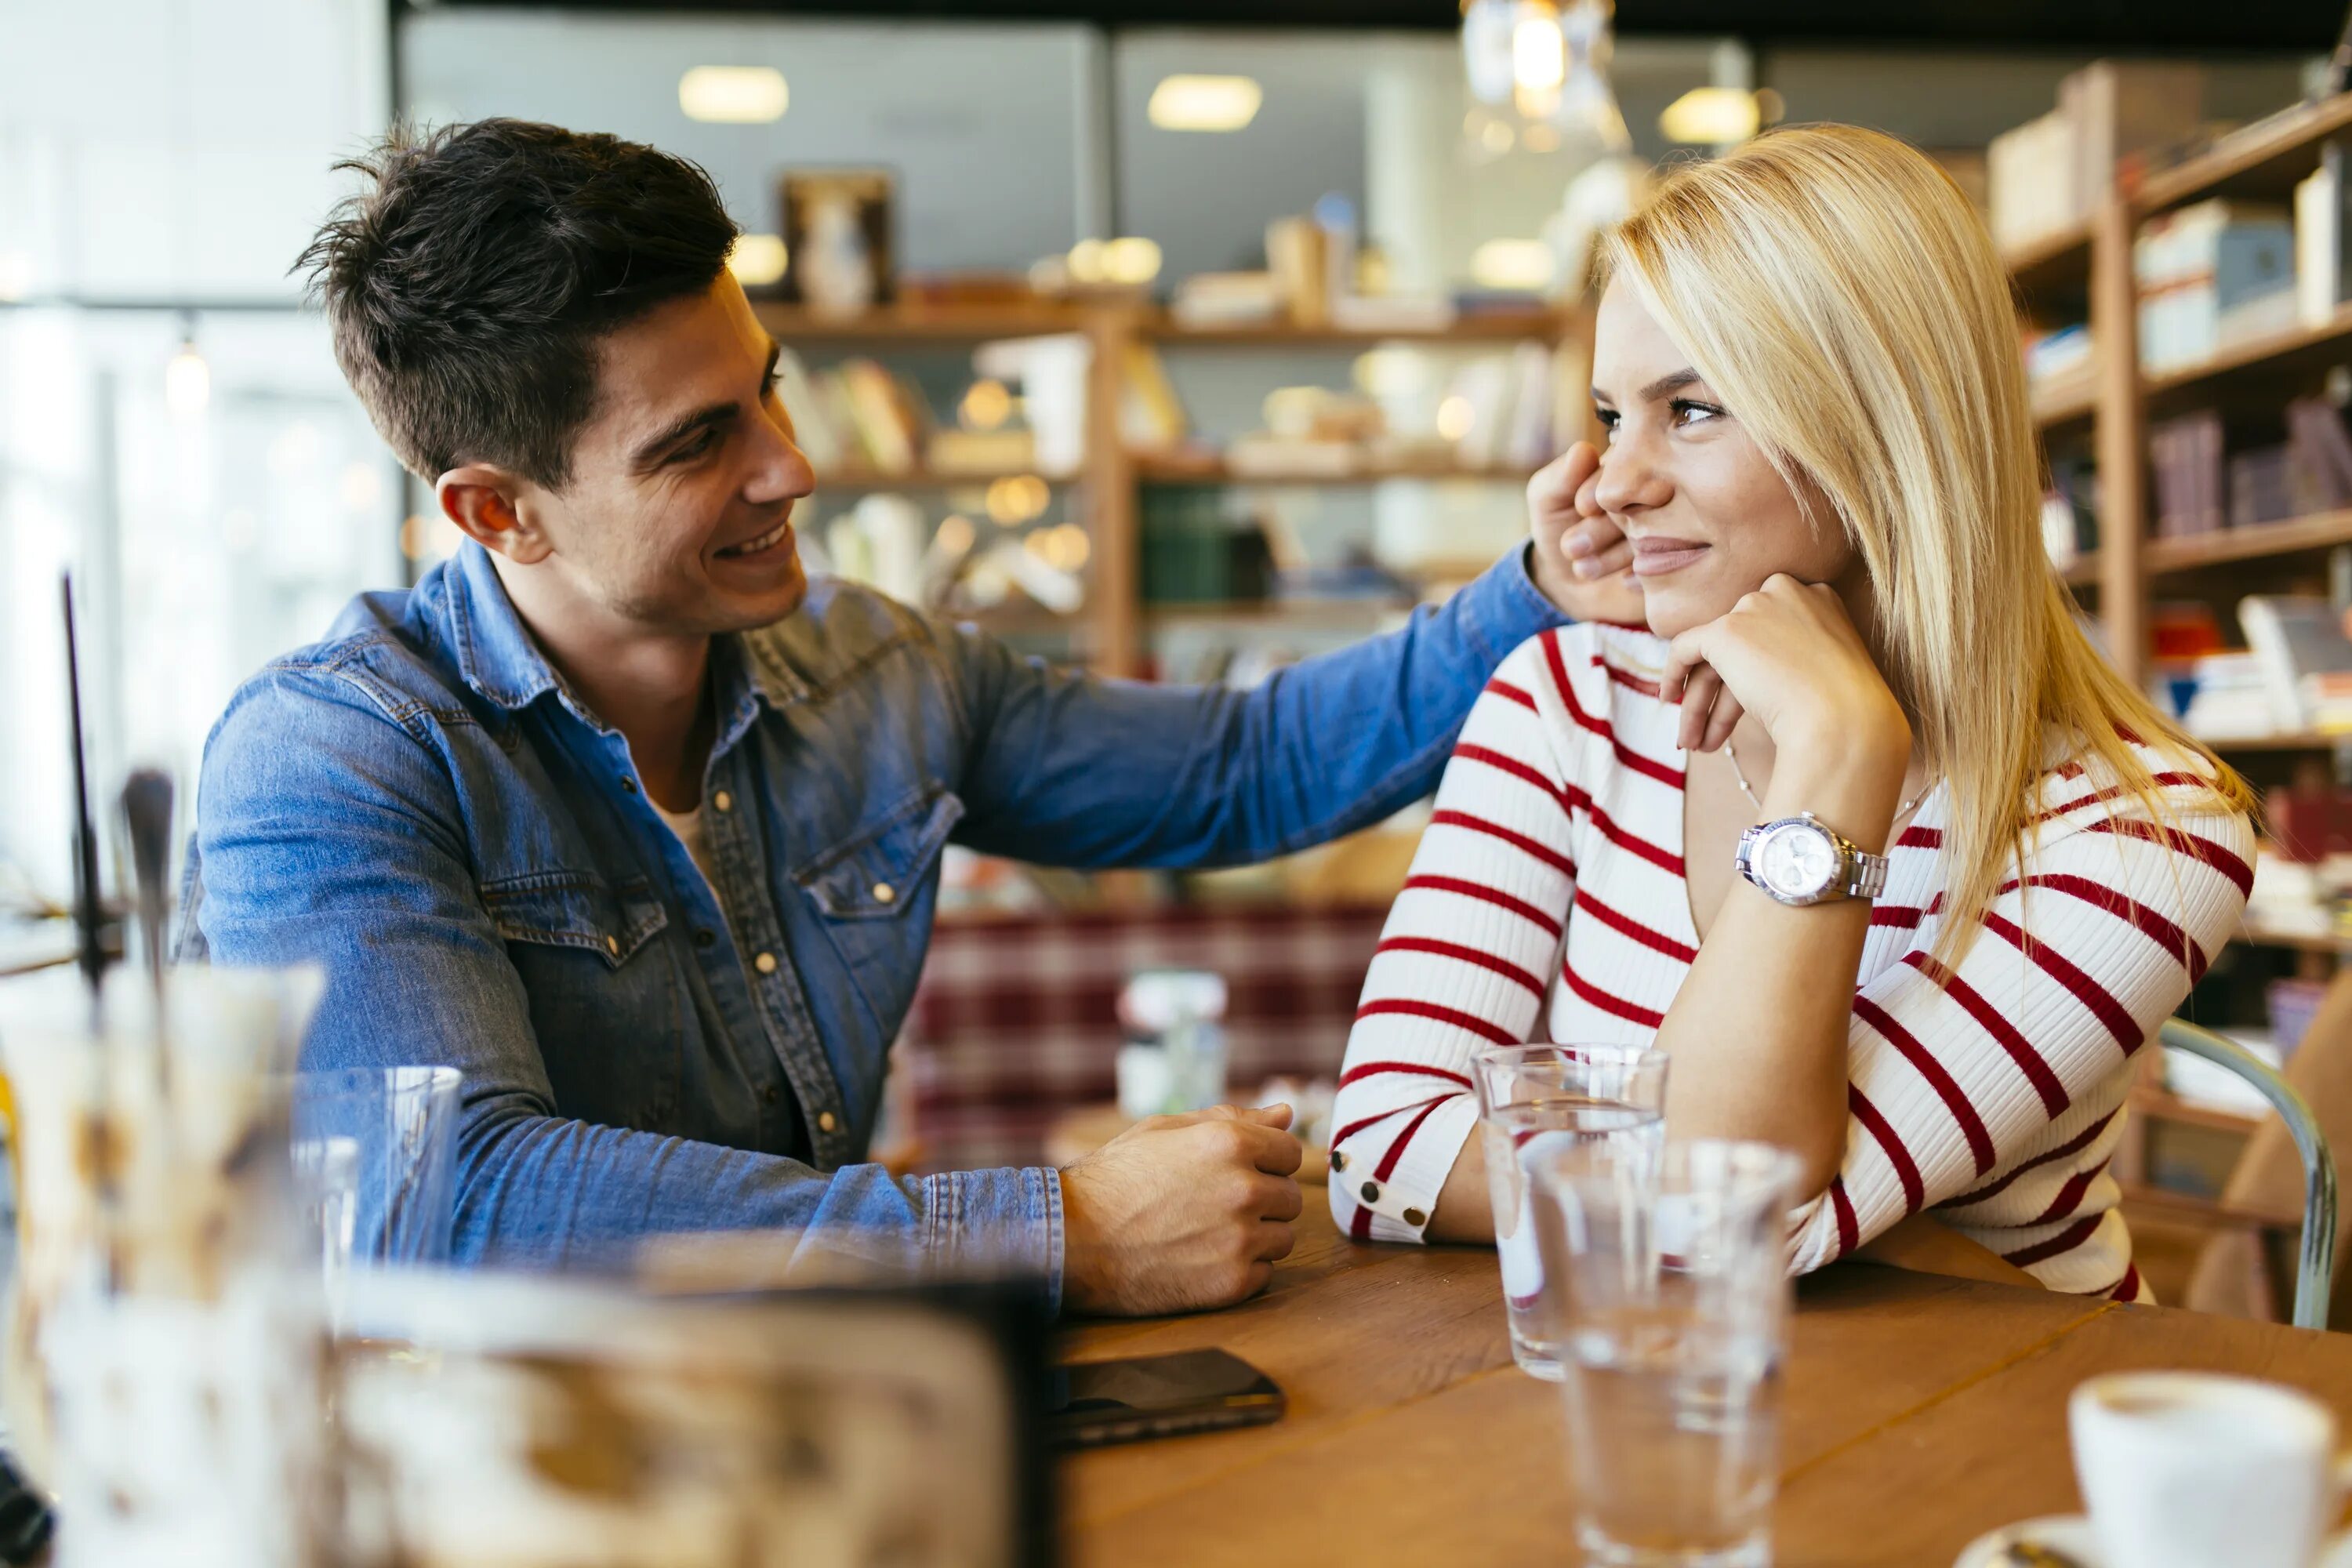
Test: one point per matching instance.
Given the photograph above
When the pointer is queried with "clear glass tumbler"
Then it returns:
(1671, 1284)
(1532, 1098)
(375, 1167)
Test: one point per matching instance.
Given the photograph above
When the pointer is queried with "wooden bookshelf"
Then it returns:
(2059, 262)
(2326, 943)
(2262, 162)
(2163, 1105)
(2271, 356)
(2286, 741)
(1183, 470)
(2257, 541)
(1357, 612)
(849, 477)
(1485, 327)
(1111, 627)
(905, 324)
(2069, 399)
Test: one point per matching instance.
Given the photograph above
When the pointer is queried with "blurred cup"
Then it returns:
(2180, 1469)
(1671, 1277)
(161, 1361)
(375, 1155)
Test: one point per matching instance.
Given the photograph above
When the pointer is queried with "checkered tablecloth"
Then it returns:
(1016, 1020)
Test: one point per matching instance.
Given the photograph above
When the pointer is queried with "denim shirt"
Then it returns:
(421, 806)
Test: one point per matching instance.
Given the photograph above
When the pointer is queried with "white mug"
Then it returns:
(2191, 1469)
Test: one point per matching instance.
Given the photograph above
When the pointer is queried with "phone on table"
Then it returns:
(1100, 1402)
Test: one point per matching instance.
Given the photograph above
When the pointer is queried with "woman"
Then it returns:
(1818, 445)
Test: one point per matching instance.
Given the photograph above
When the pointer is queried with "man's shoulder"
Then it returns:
(842, 631)
(387, 650)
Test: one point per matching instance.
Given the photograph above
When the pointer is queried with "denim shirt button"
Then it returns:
(723, 801)
(612, 945)
(883, 892)
(826, 1122)
(765, 964)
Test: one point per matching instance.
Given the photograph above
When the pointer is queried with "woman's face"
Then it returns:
(1709, 517)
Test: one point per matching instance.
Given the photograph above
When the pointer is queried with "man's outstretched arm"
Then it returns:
(327, 835)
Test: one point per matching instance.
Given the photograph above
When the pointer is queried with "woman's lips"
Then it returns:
(1656, 557)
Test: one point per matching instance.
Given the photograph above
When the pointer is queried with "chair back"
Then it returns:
(2315, 1265)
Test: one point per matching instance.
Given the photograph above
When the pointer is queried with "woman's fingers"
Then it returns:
(1558, 486)
(1723, 717)
(1701, 692)
(1604, 551)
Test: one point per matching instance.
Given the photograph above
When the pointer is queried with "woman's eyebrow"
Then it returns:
(1674, 381)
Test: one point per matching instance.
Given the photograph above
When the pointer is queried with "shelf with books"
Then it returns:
(1177, 469)
(2067, 400)
(2303, 348)
(2260, 161)
(2255, 542)
(2058, 262)
(2283, 741)
(1478, 326)
(845, 477)
(793, 324)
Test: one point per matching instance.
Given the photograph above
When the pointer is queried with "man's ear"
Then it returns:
(486, 503)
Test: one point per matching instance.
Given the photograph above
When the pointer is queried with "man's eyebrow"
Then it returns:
(649, 451)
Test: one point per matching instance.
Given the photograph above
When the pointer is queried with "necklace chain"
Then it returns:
(1732, 752)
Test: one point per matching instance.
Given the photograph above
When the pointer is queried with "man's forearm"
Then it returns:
(542, 1192)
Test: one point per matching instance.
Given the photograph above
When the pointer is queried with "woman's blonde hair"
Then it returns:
(1839, 294)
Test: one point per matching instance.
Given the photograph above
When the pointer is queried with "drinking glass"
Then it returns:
(1671, 1280)
(375, 1166)
(1536, 1097)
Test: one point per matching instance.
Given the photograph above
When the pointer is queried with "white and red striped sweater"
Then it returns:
(1549, 887)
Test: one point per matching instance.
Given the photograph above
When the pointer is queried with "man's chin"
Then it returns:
(746, 610)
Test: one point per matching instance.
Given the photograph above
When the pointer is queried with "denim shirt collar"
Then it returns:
(497, 657)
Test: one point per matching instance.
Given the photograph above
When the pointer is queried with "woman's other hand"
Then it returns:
(1787, 654)
(1582, 557)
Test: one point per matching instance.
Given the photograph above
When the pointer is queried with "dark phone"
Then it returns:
(1100, 1402)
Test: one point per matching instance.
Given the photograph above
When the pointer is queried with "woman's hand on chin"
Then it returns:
(1788, 655)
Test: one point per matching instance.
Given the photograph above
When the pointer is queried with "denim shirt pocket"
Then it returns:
(563, 909)
(607, 1011)
(879, 872)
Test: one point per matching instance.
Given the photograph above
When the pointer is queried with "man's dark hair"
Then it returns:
(466, 287)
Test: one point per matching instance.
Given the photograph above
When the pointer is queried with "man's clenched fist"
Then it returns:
(1180, 1213)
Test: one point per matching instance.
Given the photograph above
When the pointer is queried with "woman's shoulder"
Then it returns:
(2083, 789)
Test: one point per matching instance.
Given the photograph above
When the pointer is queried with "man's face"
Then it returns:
(677, 514)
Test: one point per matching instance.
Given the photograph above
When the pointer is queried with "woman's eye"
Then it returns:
(1689, 413)
(1607, 419)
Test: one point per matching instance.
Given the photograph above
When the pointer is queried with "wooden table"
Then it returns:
(1920, 1412)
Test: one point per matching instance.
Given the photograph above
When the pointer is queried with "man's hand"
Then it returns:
(1582, 560)
(1180, 1213)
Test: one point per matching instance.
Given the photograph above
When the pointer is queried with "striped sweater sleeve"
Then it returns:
(1967, 1088)
(1462, 962)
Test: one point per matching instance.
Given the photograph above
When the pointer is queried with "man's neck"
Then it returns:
(652, 687)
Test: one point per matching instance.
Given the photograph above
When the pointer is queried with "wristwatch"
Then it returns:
(1801, 859)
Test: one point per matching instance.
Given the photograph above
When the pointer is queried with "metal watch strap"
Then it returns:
(1865, 873)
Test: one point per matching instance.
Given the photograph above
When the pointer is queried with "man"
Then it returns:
(619, 816)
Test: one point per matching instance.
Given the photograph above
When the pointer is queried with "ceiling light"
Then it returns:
(1538, 50)
(187, 381)
(757, 259)
(1711, 116)
(733, 95)
(1205, 103)
(1086, 262)
(1513, 264)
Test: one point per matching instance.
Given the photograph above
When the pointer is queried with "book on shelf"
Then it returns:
(1150, 416)
(2186, 454)
(2048, 174)
(2299, 642)
(2321, 257)
(2317, 427)
(2216, 273)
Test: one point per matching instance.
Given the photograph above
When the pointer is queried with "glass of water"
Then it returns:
(1536, 1097)
(375, 1167)
(1672, 1289)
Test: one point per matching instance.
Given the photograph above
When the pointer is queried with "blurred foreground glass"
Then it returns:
(1535, 1099)
(1671, 1279)
(162, 1356)
(375, 1166)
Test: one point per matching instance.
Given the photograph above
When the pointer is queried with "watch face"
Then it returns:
(1796, 861)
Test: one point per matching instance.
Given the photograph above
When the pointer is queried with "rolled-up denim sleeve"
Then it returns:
(328, 833)
(1068, 769)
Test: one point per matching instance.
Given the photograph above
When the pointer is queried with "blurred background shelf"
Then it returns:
(2261, 163)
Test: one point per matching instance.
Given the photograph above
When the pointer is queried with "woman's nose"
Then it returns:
(1630, 479)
